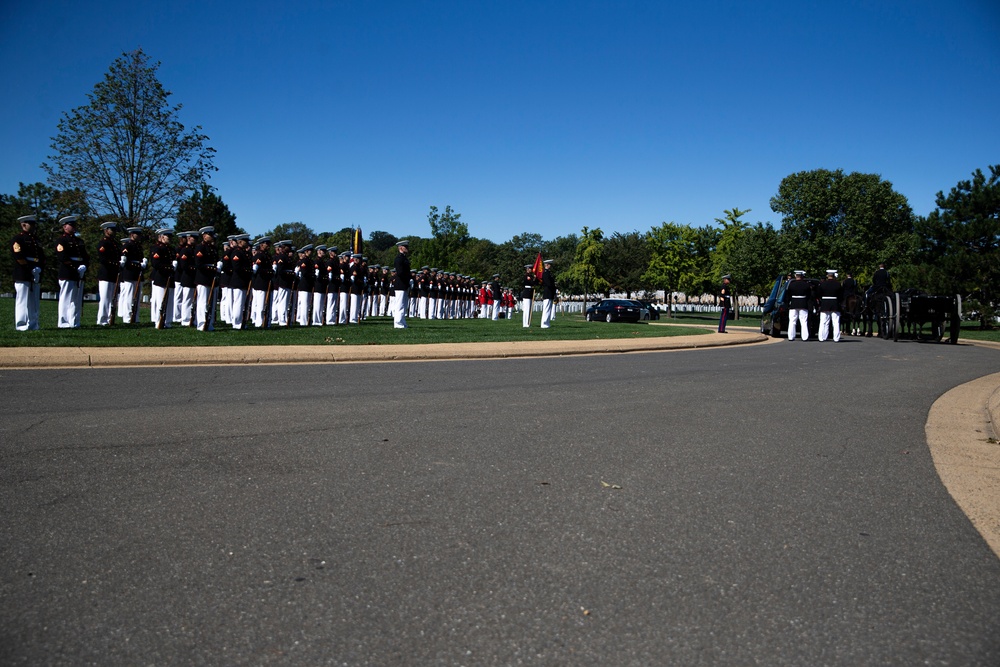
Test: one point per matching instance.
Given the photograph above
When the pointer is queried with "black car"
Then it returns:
(774, 320)
(654, 312)
(614, 310)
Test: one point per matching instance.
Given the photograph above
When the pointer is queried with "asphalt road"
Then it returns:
(770, 505)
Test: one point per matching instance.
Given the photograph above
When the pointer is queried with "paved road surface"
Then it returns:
(777, 505)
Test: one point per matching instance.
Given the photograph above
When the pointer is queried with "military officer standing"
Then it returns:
(71, 253)
(401, 286)
(263, 276)
(305, 271)
(548, 294)
(225, 280)
(527, 295)
(161, 264)
(241, 264)
(831, 292)
(284, 276)
(108, 252)
(726, 301)
(132, 264)
(29, 260)
(319, 288)
(332, 269)
(207, 269)
(798, 295)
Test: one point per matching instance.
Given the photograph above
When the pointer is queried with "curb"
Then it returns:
(118, 357)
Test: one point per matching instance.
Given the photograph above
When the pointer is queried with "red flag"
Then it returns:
(538, 269)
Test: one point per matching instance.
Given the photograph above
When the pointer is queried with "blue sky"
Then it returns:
(538, 117)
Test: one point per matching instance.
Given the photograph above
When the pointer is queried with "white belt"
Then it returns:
(829, 297)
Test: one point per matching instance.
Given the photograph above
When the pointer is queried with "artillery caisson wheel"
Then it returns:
(897, 323)
(956, 321)
(884, 316)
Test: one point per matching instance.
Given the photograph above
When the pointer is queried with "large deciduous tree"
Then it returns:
(448, 236)
(849, 222)
(731, 230)
(755, 260)
(126, 150)
(673, 262)
(583, 275)
(624, 262)
(298, 233)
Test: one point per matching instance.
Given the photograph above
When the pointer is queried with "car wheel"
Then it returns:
(590, 317)
(608, 318)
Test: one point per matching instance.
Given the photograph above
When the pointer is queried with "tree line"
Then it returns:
(126, 156)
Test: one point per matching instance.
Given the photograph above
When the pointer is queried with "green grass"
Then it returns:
(375, 331)
(970, 330)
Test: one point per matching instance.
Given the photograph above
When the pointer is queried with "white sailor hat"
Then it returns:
(110, 224)
(321, 247)
(831, 272)
(333, 248)
(728, 276)
(357, 255)
(262, 239)
(164, 231)
(425, 268)
(241, 237)
(547, 261)
(135, 230)
(306, 247)
(284, 242)
(207, 230)
(68, 220)
(28, 218)
(799, 272)
(405, 242)
(231, 237)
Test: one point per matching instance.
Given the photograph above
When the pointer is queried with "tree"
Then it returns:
(448, 235)
(126, 150)
(732, 230)
(755, 260)
(205, 209)
(583, 274)
(673, 259)
(624, 262)
(847, 222)
(961, 242)
(296, 232)
(379, 242)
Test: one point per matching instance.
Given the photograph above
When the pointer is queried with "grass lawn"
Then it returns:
(970, 330)
(375, 331)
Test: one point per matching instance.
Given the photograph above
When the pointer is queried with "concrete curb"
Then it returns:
(962, 435)
(117, 357)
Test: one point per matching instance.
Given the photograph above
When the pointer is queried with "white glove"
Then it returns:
(255, 267)
(122, 263)
(218, 266)
(298, 273)
(274, 267)
(37, 273)
(143, 263)
(174, 263)
(82, 269)
(317, 273)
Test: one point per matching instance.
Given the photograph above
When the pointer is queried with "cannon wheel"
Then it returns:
(884, 315)
(956, 321)
(897, 323)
